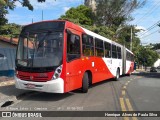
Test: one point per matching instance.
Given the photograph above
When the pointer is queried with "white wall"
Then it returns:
(157, 63)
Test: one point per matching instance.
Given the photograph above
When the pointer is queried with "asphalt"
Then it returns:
(8, 92)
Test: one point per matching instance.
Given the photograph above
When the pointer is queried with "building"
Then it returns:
(8, 42)
(91, 4)
(157, 63)
(7, 56)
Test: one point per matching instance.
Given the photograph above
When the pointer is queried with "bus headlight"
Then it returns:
(57, 72)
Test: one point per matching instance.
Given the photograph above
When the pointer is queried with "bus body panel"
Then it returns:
(100, 70)
(129, 67)
(52, 86)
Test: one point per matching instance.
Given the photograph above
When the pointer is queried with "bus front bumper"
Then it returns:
(52, 86)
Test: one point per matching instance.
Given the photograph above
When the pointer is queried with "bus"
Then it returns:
(59, 56)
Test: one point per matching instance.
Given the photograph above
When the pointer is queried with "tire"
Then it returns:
(117, 75)
(85, 83)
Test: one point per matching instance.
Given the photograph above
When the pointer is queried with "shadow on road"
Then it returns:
(148, 74)
(10, 91)
(42, 96)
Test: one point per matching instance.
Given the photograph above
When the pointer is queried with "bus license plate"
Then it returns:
(29, 85)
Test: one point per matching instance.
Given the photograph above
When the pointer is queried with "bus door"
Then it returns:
(73, 66)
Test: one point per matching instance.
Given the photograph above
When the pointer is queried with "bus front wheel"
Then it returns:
(85, 83)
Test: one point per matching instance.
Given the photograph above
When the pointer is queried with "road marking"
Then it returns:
(129, 104)
(122, 104)
(125, 102)
(126, 83)
(124, 87)
(123, 92)
(123, 107)
(130, 108)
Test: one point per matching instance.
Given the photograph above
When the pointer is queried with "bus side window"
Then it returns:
(119, 52)
(99, 51)
(114, 51)
(88, 45)
(73, 47)
(107, 49)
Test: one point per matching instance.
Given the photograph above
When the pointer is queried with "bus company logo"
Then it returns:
(6, 114)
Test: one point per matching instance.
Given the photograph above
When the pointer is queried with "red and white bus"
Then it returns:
(59, 56)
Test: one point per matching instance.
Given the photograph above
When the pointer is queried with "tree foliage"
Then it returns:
(9, 30)
(146, 56)
(109, 20)
(3, 13)
(11, 3)
(156, 46)
(116, 12)
(81, 15)
(123, 36)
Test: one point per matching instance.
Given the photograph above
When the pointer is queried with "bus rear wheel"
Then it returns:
(85, 83)
(117, 75)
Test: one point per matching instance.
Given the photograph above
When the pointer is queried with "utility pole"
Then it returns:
(131, 39)
(42, 15)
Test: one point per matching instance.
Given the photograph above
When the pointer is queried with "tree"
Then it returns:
(3, 13)
(10, 30)
(146, 56)
(156, 46)
(81, 15)
(11, 3)
(115, 12)
(123, 36)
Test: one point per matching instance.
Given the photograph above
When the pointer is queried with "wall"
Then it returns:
(4, 44)
(7, 61)
(157, 63)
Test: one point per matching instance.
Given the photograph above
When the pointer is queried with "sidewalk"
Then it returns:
(139, 70)
(5, 81)
(8, 92)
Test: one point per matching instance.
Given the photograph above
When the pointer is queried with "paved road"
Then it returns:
(139, 92)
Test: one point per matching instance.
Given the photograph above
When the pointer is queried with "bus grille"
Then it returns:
(34, 78)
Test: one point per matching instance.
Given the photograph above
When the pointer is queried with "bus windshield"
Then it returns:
(40, 49)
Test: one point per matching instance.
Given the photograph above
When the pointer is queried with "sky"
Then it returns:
(145, 17)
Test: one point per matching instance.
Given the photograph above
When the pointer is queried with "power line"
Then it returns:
(148, 12)
(150, 28)
(150, 34)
